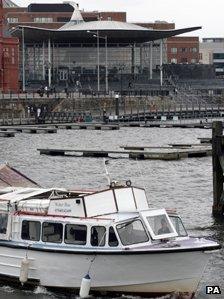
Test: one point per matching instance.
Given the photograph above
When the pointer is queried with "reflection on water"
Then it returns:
(185, 185)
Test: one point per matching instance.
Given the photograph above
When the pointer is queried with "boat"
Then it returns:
(55, 238)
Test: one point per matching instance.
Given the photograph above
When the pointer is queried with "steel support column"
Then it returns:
(141, 57)
(49, 62)
(133, 59)
(106, 66)
(43, 61)
(98, 61)
(161, 63)
(150, 54)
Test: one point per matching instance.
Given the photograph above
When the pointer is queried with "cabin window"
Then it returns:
(52, 232)
(30, 230)
(98, 234)
(160, 225)
(112, 241)
(75, 234)
(132, 232)
(177, 223)
(3, 222)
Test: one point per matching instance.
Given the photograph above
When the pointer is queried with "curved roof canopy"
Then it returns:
(116, 32)
(102, 26)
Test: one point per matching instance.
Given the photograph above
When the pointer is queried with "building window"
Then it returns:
(183, 50)
(13, 56)
(208, 40)
(184, 60)
(194, 50)
(13, 20)
(218, 55)
(173, 50)
(109, 18)
(75, 234)
(30, 230)
(193, 60)
(63, 19)
(6, 52)
(43, 20)
(173, 60)
(52, 232)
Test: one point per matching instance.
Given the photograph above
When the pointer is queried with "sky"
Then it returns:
(188, 13)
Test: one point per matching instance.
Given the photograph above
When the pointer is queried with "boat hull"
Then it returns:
(145, 272)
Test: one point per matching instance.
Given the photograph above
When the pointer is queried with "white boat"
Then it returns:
(54, 237)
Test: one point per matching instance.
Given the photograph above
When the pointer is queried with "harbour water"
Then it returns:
(184, 184)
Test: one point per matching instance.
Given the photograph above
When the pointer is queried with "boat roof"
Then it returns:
(105, 219)
(26, 193)
(117, 217)
(19, 194)
(65, 203)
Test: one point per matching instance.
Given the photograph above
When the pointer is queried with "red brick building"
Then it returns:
(158, 25)
(183, 49)
(180, 49)
(9, 64)
(53, 16)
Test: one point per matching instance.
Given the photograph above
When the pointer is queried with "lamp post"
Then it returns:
(49, 63)
(121, 68)
(98, 61)
(106, 61)
(106, 65)
(96, 34)
(117, 105)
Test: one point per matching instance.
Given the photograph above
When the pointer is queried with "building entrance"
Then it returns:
(63, 74)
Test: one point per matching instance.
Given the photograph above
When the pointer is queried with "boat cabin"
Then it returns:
(114, 218)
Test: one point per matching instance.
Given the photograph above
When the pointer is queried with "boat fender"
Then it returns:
(128, 183)
(85, 286)
(24, 268)
(113, 184)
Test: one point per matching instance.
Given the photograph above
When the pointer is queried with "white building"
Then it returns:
(212, 52)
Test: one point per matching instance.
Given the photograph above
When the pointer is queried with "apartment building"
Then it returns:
(212, 52)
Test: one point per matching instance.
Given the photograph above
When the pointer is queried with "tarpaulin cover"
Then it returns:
(10, 177)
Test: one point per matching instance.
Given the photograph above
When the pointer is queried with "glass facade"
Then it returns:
(218, 55)
(43, 20)
(70, 62)
(218, 62)
(174, 50)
